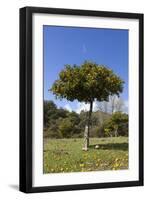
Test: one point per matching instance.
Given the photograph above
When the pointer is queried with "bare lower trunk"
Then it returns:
(116, 132)
(89, 123)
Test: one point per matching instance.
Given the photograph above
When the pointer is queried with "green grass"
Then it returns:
(66, 155)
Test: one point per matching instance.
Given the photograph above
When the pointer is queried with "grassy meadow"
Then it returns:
(66, 155)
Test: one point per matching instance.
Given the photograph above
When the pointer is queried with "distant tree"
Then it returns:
(114, 104)
(65, 128)
(74, 117)
(117, 125)
(49, 109)
(68, 127)
(87, 83)
(61, 113)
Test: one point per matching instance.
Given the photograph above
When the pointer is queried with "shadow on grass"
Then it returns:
(111, 146)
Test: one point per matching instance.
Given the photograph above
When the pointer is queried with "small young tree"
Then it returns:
(87, 83)
(117, 125)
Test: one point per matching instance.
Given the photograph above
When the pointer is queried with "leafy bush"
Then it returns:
(117, 125)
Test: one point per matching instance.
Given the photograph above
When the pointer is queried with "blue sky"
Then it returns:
(74, 45)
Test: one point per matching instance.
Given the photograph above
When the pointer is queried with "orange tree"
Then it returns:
(87, 83)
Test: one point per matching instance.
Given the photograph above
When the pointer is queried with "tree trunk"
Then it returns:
(89, 123)
(116, 131)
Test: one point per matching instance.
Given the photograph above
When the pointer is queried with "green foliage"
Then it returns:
(86, 83)
(60, 123)
(49, 110)
(52, 116)
(118, 123)
(68, 127)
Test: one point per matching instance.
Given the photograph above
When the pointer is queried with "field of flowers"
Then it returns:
(66, 155)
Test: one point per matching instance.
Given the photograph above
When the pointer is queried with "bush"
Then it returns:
(117, 125)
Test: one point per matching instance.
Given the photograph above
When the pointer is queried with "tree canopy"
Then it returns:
(87, 83)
